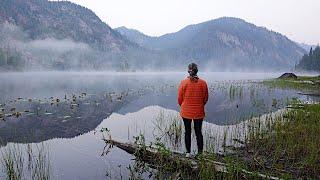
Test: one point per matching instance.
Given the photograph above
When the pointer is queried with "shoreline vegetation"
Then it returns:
(283, 146)
(280, 145)
(308, 85)
(27, 162)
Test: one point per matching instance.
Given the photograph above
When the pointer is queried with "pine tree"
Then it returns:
(311, 61)
(2, 58)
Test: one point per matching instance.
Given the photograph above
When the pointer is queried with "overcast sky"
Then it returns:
(297, 19)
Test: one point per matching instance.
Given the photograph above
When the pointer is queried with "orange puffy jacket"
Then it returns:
(192, 96)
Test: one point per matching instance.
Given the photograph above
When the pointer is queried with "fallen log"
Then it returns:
(154, 158)
(177, 160)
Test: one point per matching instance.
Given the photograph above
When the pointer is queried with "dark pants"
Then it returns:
(198, 131)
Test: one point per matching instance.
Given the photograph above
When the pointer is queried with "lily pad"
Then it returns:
(8, 115)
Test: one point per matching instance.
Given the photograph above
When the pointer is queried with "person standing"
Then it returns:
(192, 97)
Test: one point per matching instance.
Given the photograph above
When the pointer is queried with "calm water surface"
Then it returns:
(64, 112)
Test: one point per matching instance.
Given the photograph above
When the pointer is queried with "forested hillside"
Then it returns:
(311, 61)
(59, 35)
(51, 19)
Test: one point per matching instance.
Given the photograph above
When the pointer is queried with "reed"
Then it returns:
(12, 162)
(33, 163)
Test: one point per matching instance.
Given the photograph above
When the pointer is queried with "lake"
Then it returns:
(61, 114)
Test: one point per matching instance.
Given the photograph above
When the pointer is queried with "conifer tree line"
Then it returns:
(310, 61)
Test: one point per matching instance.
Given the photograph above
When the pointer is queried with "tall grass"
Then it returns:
(169, 128)
(40, 168)
(291, 144)
(283, 144)
(12, 162)
(33, 163)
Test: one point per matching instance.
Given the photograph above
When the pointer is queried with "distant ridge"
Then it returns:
(225, 42)
(221, 44)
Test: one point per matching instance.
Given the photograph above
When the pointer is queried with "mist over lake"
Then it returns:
(159, 90)
(125, 103)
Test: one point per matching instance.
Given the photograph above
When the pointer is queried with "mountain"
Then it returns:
(135, 35)
(224, 43)
(60, 35)
(43, 19)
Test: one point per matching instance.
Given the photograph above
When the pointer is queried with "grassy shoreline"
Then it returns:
(286, 146)
(283, 145)
(302, 83)
(290, 146)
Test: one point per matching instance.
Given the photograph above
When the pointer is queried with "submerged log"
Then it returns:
(177, 160)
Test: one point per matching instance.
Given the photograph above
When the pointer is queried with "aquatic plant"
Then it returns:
(235, 91)
(12, 162)
(169, 128)
(40, 163)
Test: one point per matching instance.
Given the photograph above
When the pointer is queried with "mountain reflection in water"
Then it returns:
(67, 110)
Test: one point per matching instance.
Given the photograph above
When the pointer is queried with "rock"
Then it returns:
(316, 82)
(288, 76)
